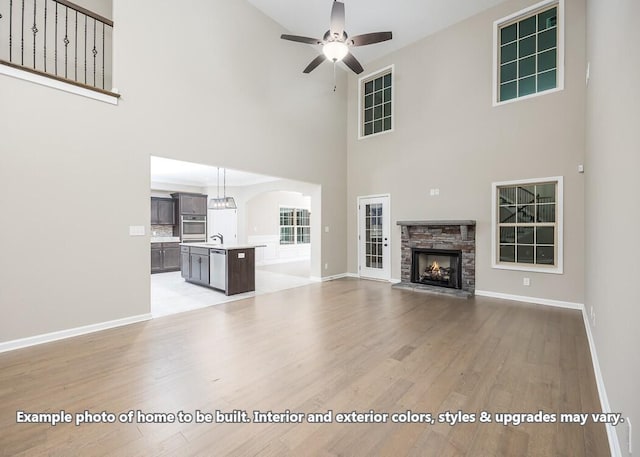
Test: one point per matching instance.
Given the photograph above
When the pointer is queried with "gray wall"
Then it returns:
(448, 136)
(612, 217)
(193, 88)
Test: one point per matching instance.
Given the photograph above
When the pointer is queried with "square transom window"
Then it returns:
(376, 103)
(528, 52)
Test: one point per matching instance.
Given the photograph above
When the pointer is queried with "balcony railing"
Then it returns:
(58, 39)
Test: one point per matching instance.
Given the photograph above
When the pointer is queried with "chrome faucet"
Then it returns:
(219, 236)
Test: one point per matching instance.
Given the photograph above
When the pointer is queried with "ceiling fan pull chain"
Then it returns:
(335, 84)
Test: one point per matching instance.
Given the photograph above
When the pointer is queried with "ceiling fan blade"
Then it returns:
(314, 63)
(369, 38)
(353, 63)
(337, 19)
(301, 39)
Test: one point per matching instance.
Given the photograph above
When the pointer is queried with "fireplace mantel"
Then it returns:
(463, 224)
(436, 223)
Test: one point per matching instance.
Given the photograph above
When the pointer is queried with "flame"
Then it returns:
(435, 269)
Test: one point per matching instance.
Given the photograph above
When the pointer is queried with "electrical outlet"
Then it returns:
(326, 266)
(580, 168)
(526, 281)
(437, 191)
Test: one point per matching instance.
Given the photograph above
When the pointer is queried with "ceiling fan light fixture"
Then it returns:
(335, 51)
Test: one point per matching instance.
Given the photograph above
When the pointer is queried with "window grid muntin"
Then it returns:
(295, 226)
(534, 226)
(373, 235)
(376, 108)
(537, 76)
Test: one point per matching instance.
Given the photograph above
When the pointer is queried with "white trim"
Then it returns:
(55, 84)
(361, 135)
(525, 299)
(560, 47)
(614, 444)
(559, 268)
(395, 281)
(70, 333)
(328, 278)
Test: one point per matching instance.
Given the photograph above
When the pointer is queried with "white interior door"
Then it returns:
(224, 221)
(374, 245)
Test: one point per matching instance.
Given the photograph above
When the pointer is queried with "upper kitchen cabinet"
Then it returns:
(163, 211)
(191, 204)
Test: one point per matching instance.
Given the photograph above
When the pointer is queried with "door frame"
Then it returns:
(359, 244)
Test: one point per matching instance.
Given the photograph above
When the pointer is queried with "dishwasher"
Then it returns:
(218, 266)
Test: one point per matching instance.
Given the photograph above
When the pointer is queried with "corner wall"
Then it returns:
(612, 209)
(447, 135)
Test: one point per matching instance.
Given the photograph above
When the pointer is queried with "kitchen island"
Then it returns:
(228, 268)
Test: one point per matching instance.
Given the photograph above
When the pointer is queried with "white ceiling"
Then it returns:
(171, 171)
(409, 20)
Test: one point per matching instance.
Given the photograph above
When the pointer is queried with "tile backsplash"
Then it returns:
(162, 230)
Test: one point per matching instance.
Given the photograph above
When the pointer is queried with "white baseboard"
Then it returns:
(329, 278)
(69, 333)
(523, 298)
(614, 444)
(394, 281)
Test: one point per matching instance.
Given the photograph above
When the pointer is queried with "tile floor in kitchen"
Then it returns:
(170, 294)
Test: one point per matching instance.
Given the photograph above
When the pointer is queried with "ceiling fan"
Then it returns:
(336, 43)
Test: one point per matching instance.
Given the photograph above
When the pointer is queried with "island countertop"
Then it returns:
(226, 247)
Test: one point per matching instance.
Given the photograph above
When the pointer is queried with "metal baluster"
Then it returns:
(34, 29)
(103, 54)
(10, 30)
(55, 51)
(94, 52)
(66, 40)
(45, 36)
(85, 49)
(22, 37)
(75, 56)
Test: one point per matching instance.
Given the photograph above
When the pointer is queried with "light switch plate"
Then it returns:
(136, 230)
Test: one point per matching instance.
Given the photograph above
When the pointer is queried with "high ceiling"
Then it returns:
(409, 20)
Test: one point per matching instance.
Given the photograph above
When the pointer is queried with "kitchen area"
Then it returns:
(196, 257)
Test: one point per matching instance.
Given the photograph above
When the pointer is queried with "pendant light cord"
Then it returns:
(335, 84)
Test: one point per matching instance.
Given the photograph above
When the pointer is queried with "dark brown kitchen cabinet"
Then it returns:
(241, 271)
(165, 257)
(162, 211)
(191, 204)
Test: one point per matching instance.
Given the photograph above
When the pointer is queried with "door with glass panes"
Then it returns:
(374, 249)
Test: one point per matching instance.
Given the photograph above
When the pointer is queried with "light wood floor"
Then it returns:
(343, 345)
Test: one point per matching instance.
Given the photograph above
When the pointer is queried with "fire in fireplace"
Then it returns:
(437, 267)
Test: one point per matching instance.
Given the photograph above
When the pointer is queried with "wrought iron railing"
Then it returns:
(57, 38)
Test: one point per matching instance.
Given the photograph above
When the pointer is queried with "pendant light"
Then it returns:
(223, 202)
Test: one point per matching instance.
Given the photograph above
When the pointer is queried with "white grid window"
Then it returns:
(529, 52)
(295, 226)
(376, 103)
(528, 225)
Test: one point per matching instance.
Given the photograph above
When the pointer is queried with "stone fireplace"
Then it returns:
(439, 256)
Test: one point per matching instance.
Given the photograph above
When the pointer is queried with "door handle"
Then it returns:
(385, 245)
